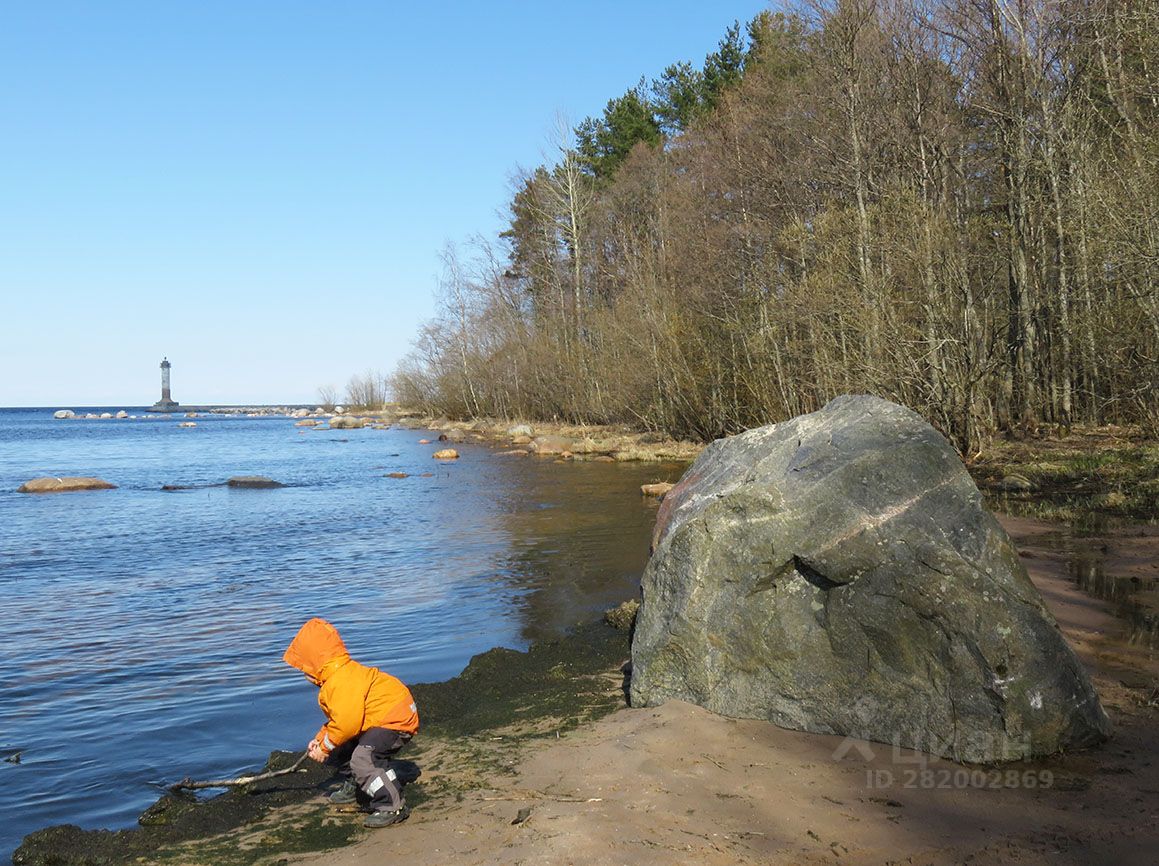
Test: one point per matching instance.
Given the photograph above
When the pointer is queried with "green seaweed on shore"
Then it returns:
(502, 687)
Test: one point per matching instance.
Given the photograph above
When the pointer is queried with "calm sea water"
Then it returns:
(141, 631)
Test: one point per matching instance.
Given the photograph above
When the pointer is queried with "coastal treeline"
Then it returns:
(949, 203)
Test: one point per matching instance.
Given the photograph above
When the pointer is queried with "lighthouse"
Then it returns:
(166, 403)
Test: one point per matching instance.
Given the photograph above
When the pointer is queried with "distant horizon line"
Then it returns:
(54, 407)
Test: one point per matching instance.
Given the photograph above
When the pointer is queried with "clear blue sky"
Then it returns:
(260, 189)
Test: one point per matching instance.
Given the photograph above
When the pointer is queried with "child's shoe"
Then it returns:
(385, 819)
(348, 793)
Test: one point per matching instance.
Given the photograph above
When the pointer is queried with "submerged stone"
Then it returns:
(838, 574)
(660, 488)
(253, 481)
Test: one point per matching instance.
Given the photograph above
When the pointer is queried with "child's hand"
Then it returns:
(314, 750)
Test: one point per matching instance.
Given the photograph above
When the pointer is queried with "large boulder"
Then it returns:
(63, 414)
(64, 484)
(345, 422)
(837, 573)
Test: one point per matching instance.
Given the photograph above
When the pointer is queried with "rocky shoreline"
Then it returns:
(560, 441)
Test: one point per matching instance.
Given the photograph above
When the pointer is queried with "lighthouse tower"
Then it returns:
(166, 403)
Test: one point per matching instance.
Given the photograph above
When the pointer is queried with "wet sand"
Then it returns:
(677, 784)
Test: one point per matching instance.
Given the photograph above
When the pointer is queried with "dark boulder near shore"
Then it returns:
(838, 573)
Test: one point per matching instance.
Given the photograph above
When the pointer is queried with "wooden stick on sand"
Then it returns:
(240, 780)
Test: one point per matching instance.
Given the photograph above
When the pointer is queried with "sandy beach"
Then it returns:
(677, 784)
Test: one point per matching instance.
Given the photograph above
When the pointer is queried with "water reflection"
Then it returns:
(1136, 599)
(582, 544)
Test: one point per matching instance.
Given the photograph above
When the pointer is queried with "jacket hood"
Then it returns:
(317, 650)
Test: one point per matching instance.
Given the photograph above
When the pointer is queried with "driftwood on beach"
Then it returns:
(189, 784)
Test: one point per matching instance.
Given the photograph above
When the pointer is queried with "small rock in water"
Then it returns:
(63, 414)
(622, 618)
(658, 489)
(64, 484)
(187, 424)
(14, 758)
(446, 454)
(552, 445)
(424, 442)
(396, 475)
(253, 481)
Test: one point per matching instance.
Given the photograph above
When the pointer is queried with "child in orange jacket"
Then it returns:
(370, 715)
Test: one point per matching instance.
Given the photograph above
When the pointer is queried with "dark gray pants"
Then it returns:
(367, 759)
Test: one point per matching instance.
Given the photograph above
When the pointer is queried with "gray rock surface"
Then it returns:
(63, 414)
(838, 573)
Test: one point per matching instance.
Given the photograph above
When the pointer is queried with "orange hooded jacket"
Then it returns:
(354, 697)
